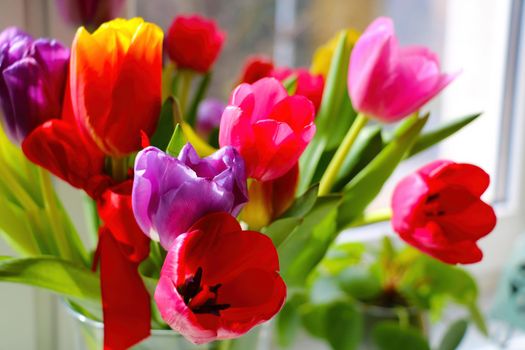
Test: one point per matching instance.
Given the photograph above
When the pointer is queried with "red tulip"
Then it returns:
(58, 147)
(116, 83)
(218, 281)
(121, 248)
(439, 211)
(269, 128)
(255, 68)
(194, 42)
(308, 85)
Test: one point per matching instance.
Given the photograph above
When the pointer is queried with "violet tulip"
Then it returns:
(33, 77)
(438, 210)
(89, 13)
(389, 82)
(171, 194)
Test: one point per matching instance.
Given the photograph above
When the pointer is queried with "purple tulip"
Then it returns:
(209, 115)
(89, 13)
(171, 194)
(33, 77)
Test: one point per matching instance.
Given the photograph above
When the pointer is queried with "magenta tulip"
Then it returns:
(269, 128)
(388, 82)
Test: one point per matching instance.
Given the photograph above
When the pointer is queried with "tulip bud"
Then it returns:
(89, 13)
(269, 200)
(209, 116)
(194, 42)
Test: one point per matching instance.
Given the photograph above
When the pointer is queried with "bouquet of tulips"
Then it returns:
(204, 213)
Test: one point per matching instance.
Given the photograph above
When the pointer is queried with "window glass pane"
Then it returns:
(470, 36)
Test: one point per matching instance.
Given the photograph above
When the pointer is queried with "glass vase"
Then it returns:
(90, 336)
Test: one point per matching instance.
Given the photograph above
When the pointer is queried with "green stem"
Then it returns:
(374, 217)
(51, 208)
(119, 168)
(93, 220)
(202, 88)
(183, 90)
(18, 191)
(221, 345)
(330, 175)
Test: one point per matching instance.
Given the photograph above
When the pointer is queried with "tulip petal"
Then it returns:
(25, 83)
(267, 93)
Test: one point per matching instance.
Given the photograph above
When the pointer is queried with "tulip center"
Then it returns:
(433, 206)
(199, 297)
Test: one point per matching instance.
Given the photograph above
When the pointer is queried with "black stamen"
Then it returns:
(192, 287)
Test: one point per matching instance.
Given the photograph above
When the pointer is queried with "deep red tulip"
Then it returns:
(58, 147)
(438, 210)
(269, 128)
(218, 281)
(194, 42)
(121, 248)
(308, 85)
(116, 83)
(255, 68)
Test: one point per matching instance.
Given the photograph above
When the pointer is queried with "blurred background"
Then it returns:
(482, 39)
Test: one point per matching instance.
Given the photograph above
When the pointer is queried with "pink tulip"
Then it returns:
(389, 82)
(269, 128)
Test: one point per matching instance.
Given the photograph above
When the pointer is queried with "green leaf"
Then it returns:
(342, 256)
(391, 336)
(309, 161)
(281, 229)
(165, 126)
(359, 283)
(328, 120)
(307, 245)
(430, 138)
(368, 183)
(300, 252)
(177, 142)
(334, 91)
(54, 274)
(302, 205)
(454, 335)
(288, 321)
(477, 317)
(200, 92)
(16, 228)
(344, 326)
(367, 146)
(339, 323)
(290, 84)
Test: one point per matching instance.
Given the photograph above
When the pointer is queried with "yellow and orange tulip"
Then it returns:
(115, 76)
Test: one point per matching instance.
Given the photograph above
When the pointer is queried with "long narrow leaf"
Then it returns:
(54, 274)
(368, 183)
